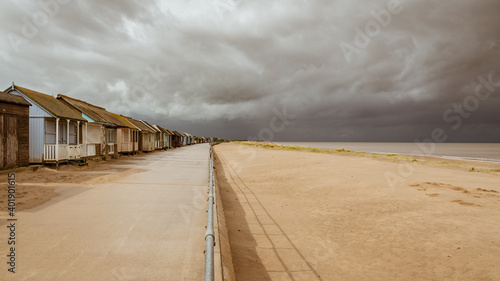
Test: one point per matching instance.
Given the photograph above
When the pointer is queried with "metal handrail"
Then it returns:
(209, 234)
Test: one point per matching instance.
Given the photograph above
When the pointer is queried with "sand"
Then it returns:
(312, 216)
(37, 185)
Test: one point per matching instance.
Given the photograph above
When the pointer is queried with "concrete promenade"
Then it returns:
(146, 225)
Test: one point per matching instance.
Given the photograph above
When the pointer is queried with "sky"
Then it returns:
(318, 70)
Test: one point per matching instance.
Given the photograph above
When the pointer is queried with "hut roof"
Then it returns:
(163, 130)
(150, 126)
(156, 128)
(51, 104)
(84, 107)
(124, 120)
(14, 99)
(139, 125)
(100, 112)
(97, 113)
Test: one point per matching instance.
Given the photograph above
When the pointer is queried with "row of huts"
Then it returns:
(39, 128)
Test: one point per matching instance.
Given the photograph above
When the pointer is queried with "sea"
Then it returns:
(470, 151)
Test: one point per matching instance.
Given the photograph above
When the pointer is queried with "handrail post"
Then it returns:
(209, 234)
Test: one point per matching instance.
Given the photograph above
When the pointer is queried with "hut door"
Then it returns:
(11, 142)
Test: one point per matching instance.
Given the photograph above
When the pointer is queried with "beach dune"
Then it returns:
(296, 215)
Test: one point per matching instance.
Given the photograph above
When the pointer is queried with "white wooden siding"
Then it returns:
(36, 139)
(35, 110)
(94, 133)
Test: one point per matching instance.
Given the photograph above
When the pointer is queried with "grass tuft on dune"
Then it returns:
(268, 145)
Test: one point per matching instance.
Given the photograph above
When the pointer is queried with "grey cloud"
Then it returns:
(227, 72)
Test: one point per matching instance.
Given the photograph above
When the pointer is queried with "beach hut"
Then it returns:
(14, 131)
(130, 138)
(176, 139)
(160, 137)
(187, 139)
(95, 131)
(165, 136)
(146, 139)
(108, 134)
(127, 135)
(169, 138)
(156, 134)
(54, 128)
(181, 139)
(111, 128)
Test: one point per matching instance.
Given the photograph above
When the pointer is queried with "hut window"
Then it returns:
(110, 136)
(72, 133)
(50, 132)
(63, 129)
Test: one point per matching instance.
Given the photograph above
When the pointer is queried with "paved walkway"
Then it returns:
(145, 226)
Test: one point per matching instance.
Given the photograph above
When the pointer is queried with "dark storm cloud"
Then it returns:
(229, 68)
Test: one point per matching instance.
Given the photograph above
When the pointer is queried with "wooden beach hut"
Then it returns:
(55, 128)
(186, 139)
(146, 139)
(110, 147)
(128, 137)
(163, 136)
(183, 139)
(94, 132)
(156, 134)
(169, 135)
(14, 131)
(166, 137)
(109, 134)
(118, 136)
(177, 140)
(160, 137)
(170, 138)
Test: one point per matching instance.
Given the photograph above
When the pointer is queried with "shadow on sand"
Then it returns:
(261, 250)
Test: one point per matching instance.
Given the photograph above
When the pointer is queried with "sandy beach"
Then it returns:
(294, 215)
(37, 185)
